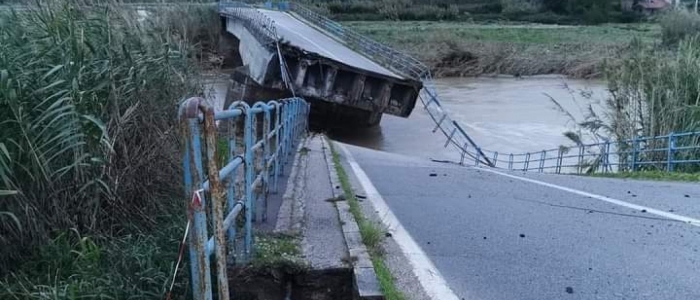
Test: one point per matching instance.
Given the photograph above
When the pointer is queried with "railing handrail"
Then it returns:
(254, 162)
(665, 152)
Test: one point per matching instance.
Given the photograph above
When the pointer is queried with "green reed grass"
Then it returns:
(89, 142)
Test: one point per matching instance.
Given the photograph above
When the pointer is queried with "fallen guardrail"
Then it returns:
(672, 152)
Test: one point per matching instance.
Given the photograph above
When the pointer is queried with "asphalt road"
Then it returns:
(301, 35)
(497, 237)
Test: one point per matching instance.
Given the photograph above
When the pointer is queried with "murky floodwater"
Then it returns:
(502, 114)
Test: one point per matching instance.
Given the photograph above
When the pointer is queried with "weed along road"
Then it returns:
(488, 234)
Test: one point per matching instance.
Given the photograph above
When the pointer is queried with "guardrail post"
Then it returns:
(278, 139)
(477, 156)
(606, 157)
(527, 162)
(266, 156)
(437, 126)
(579, 169)
(543, 157)
(560, 160)
(671, 146)
(231, 192)
(195, 201)
(510, 162)
(635, 153)
(217, 200)
(495, 159)
(249, 171)
(463, 154)
(449, 139)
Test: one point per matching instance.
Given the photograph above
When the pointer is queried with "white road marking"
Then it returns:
(433, 283)
(661, 213)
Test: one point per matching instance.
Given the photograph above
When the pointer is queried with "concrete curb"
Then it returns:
(291, 214)
(365, 278)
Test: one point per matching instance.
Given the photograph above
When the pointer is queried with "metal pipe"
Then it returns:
(228, 223)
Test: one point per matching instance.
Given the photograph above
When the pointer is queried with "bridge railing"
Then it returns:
(256, 22)
(672, 152)
(232, 160)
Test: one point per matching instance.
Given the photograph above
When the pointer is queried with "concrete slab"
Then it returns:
(301, 35)
(323, 244)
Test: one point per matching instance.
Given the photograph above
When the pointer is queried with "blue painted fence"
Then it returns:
(232, 160)
(672, 152)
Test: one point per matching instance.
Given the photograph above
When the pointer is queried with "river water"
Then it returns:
(501, 114)
(504, 114)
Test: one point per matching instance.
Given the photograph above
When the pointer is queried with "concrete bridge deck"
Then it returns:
(293, 51)
(294, 30)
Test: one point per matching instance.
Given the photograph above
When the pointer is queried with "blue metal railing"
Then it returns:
(672, 152)
(256, 142)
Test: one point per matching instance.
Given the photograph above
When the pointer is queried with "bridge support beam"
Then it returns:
(358, 86)
(329, 81)
(301, 74)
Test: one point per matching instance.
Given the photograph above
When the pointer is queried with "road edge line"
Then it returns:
(429, 277)
(654, 211)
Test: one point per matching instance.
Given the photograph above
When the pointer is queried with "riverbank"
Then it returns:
(460, 49)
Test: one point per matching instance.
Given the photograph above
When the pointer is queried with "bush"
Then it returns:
(424, 13)
(655, 92)
(545, 18)
(391, 9)
(72, 266)
(518, 7)
(88, 99)
(677, 25)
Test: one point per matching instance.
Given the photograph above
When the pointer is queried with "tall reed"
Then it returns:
(88, 97)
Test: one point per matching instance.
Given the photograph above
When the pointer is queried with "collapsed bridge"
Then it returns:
(287, 50)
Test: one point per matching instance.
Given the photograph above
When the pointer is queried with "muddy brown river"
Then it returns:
(501, 114)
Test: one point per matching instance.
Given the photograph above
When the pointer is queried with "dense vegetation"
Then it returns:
(89, 174)
(467, 49)
(654, 92)
(541, 11)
